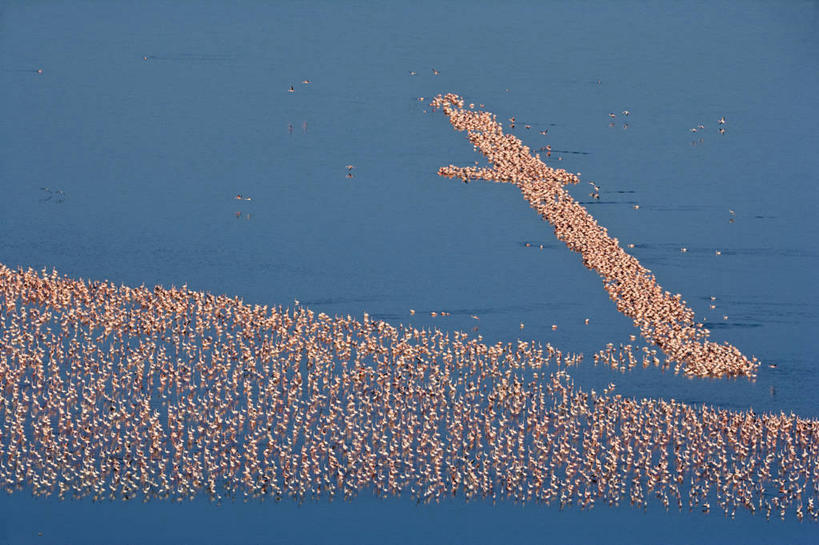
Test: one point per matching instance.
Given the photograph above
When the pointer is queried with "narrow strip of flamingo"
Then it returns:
(663, 318)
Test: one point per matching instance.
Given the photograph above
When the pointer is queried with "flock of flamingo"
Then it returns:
(662, 317)
(115, 392)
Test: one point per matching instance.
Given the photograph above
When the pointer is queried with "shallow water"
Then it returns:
(142, 159)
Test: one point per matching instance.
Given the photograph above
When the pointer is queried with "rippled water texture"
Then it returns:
(128, 131)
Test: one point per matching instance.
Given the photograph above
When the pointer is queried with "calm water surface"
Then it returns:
(149, 118)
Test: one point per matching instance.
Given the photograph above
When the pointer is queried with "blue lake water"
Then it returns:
(122, 158)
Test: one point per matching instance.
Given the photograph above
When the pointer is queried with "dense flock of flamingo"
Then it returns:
(116, 392)
(663, 318)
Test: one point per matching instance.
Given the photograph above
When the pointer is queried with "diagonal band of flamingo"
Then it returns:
(662, 317)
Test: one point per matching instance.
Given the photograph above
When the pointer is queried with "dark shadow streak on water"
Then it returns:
(676, 208)
(521, 124)
(337, 301)
(773, 252)
(484, 311)
(191, 57)
(729, 325)
(20, 70)
(565, 151)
